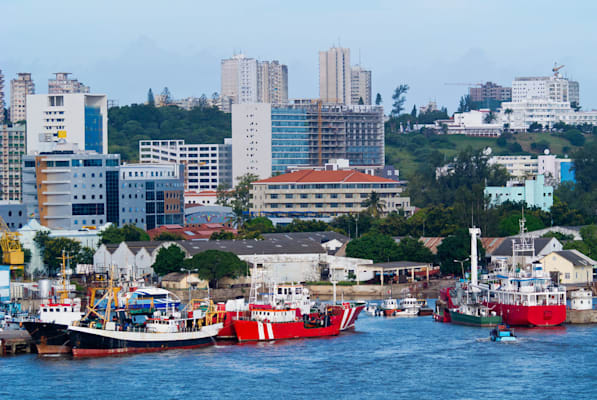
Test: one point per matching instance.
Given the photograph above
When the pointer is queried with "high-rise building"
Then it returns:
(206, 165)
(70, 189)
(553, 88)
(335, 76)
(1, 98)
(80, 119)
(273, 82)
(63, 84)
(360, 85)
(19, 89)
(490, 92)
(12, 149)
(267, 139)
(247, 80)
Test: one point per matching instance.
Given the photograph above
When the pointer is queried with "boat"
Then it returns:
(407, 307)
(474, 314)
(115, 332)
(49, 329)
(442, 306)
(522, 294)
(502, 333)
(424, 310)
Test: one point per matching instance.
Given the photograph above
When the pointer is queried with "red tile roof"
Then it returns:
(312, 176)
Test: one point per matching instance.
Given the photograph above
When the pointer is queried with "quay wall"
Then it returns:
(581, 316)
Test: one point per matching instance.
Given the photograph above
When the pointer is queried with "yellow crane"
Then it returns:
(12, 253)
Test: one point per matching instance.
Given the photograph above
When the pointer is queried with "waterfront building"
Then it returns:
(247, 80)
(269, 139)
(571, 267)
(19, 89)
(489, 92)
(62, 84)
(316, 194)
(360, 85)
(133, 260)
(543, 246)
(70, 190)
(335, 76)
(534, 193)
(206, 165)
(14, 213)
(151, 195)
(80, 119)
(12, 149)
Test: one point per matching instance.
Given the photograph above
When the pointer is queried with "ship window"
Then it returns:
(64, 309)
(45, 310)
(51, 310)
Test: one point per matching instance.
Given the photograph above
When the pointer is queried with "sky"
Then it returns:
(123, 48)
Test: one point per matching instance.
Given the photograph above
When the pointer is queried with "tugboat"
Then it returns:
(116, 332)
(502, 333)
(48, 330)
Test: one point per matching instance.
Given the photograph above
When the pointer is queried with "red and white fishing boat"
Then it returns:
(522, 293)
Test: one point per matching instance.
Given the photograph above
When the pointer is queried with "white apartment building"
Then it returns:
(335, 76)
(247, 80)
(206, 165)
(63, 84)
(525, 167)
(554, 88)
(79, 119)
(360, 85)
(19, 89)
(1, 97)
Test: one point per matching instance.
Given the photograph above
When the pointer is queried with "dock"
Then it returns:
(581, 316)
(14, 342)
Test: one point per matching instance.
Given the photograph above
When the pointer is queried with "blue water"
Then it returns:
(395, 358)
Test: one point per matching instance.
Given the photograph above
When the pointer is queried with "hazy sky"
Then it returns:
(122, 48)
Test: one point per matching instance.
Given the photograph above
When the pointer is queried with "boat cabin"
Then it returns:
(269, 315)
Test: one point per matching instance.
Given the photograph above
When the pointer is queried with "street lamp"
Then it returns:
(461, 265)
(188, 271)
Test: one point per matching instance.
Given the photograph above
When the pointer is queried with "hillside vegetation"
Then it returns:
(129, 124)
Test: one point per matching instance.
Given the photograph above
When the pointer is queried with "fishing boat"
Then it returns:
(474, 314)
(502, 333)
(522, 294)
(49, 329)
(424, 310)
(115, 332)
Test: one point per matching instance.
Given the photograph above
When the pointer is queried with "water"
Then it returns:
(399, 358)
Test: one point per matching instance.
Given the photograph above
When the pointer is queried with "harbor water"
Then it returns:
(384, 358)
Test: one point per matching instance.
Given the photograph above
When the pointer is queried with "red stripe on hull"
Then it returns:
(530, 315)
(52, 349)
(129, 350)
(249, 330)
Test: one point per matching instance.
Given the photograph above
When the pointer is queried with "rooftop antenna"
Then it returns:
(360, 65)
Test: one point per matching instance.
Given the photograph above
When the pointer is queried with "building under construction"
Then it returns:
(267, 139)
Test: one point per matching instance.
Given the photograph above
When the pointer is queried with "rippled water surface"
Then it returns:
(383, 358)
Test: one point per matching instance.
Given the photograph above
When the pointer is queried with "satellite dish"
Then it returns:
(546, 151)
(487, 151)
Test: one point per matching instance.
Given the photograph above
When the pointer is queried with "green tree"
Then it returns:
(213, 265)
(585, 167)
(361, 101)
(354, 225)
(457, 247)
(378, 99)
(150, 99)
(166, 96)
(374, 204)
(169, 259)
(399, 99)
(413, 112)
(465, 104)
(509, 226)
(259, 224)
(128, 233)
(411, 249)
(374, 246)
(535, 127)
(222, 235)
(86, 255)
(489, 118)
(394, 224)
(241, 198)
(303, 225)
(168, 236)
(51, 251)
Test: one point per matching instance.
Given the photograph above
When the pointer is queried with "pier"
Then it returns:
(15, 342)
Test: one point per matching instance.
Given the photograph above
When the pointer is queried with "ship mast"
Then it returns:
(525, 245)
(475, 232)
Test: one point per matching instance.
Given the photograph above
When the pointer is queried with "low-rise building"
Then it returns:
(129, 260)
(571, 267)
(482, 123)
(315, 194)
(534, 193)
(183, 280)
(203, 198)
(503, 254)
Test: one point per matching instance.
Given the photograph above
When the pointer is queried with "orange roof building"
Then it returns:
(317, 194)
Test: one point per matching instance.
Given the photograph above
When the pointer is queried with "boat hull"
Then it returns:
(48, 337)
(264, 331)
(349, 315)
(473, 320)
(90, 342)
(518, 315)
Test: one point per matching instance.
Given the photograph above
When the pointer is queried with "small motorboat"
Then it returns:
(502, 333)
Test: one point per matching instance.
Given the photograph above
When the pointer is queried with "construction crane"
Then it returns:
(462, 84)
(12, 254)
(556, 69)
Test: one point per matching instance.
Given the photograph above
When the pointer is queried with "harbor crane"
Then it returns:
(12, 253)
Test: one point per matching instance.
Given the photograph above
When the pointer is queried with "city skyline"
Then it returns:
(423, 45)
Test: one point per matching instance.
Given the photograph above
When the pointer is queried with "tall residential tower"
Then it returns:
(63, 84)
(335, 76)
(19, 89)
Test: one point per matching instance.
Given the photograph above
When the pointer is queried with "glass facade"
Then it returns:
(93, 129)
(290, 139)
(112, 200)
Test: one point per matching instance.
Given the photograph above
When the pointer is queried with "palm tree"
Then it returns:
(508, 112)
(374, 204)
